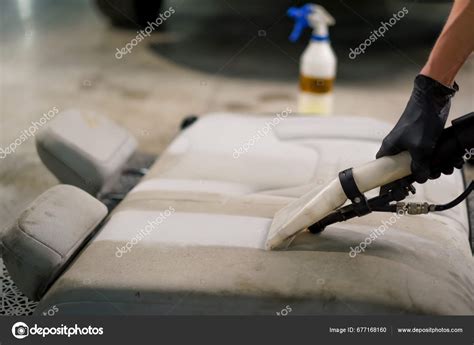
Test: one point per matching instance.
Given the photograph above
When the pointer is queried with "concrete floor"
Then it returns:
(61, 54)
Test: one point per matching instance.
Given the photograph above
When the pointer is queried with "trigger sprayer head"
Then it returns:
(309, 15)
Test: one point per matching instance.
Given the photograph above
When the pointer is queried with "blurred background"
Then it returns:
(208, 56)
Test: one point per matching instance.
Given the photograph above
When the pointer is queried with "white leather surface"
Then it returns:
(189, 229)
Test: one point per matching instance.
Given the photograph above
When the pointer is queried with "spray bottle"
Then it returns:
(318, 62)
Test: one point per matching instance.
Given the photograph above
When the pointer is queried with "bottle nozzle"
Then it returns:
(309, 15)
(300, 15)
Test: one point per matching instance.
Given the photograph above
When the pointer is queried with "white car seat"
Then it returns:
(189, 238)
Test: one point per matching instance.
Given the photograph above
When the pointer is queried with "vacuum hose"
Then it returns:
(317, 204)
(449, 152)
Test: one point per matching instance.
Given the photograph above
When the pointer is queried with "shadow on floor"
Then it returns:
(255, 45)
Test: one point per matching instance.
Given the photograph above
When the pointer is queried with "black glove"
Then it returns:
(420, 126)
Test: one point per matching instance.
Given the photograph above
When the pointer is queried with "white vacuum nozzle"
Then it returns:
(315, 205)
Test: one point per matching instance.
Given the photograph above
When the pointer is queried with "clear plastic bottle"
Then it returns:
(318, 62)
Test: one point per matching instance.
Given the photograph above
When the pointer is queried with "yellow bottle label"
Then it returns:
(316, 85)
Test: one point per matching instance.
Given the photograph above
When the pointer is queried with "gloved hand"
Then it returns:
(420, 126)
